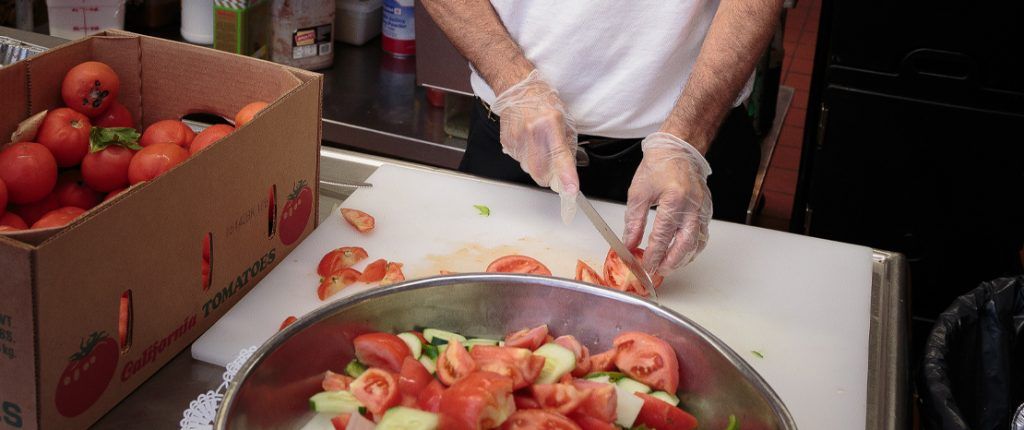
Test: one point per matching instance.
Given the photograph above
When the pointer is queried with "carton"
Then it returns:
(62, 364)
(242, 27)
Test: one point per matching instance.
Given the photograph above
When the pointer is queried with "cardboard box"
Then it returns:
(60, 290)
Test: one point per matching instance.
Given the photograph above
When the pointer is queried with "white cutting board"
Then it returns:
(804, 303)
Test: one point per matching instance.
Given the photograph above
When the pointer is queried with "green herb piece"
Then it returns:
(757, 354)
(430, 351)
(362, 410)
(733, 424)
(484, 210)
(100, 138)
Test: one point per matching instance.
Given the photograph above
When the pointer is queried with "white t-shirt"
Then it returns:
(619, 65)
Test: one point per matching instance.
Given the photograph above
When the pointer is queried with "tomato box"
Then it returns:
(242, 205)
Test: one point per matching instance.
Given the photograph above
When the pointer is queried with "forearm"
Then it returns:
(739, 34)
(476, 31)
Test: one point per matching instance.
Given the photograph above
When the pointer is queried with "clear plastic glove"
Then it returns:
(538, 132)
(673, 175)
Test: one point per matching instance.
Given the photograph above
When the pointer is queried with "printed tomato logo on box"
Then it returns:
(87, 374)
(296, 212)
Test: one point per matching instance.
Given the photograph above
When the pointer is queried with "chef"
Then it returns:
(630, 100)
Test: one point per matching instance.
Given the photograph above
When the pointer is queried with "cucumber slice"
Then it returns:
(668, 398)
(430, 351)
(441, 337)
(633, 386)
(733, 424)
(335, 402)
(627, 407)
(612, 376)
(558, 361)
(355, 368)
(415, 346)
(604, 379)
(429, 363)
(403, 418)
(480, 341)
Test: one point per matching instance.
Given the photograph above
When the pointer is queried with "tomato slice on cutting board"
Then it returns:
(587, 274)
(618, 276)
(362, 221)
(518, 264)
(374, 272)
(340, 258)
(330, 285)
(392, 273)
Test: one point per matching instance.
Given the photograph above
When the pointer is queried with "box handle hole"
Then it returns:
(125, 320)
(272, 211)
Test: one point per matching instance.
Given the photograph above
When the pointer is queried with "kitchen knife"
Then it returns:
(617, 245)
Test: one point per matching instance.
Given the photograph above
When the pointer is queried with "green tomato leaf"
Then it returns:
(100, 138)
(484, 210)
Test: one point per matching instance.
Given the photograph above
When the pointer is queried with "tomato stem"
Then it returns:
(297, 190)
(86, 346)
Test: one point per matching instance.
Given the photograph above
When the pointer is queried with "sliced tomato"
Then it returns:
(336, 381)
(430, 397)
(376, 389)
(374, 272)
(454, 364)
(362, 221)
(392, 273)
(529, 338)
(647, 359)
(481, 400)
(330, 285)
(604, 361)
(340, 422)
(590, 423)
(287, 321)
(537, 419)
(581, 352)
(518, 264)
(413, 378)
(340, 258)
(563, 398)
(526, 402)
(659, 414)
(516, 363)
(618, 276)
(599, 399)
(587, 274)
(383, 350)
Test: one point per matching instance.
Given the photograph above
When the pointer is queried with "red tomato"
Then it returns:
(107, 170)
(590, 423)
(618, 276)
(32, 212)
(90, 88)
(519, 364)
(603, 362)
(392, 273)
(114, 193)
(599, 399)
(154, 160)
(537, 419)
(518, 264)
(8, 228)
(581, 352)
(430, 398)
(659, 414)
(72, 191)
(377, 390)
(362, 221)
(587, 274)
(383, 350)
(374, 272)
(3, 197)
(337, 281)
(340, 422)
(481, 400)
(59, 218)
(66, 134)
(29, 171)
(413, 378)
(167, 131)
(208, 136)
(454, 364)
(525, 402)
(563, 398)
(87, 375)
(647, 359)
(13, 221)
(295, 214)
(529, 338)
(335, 381)
(116, 116)
(287, 321)
(247, 112)
(339, 259)
(122, 319)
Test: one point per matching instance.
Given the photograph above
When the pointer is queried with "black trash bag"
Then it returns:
(974, 362)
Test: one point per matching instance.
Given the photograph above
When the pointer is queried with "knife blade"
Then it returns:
(617, 245)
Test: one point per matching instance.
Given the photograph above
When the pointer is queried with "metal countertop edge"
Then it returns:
(888, 381)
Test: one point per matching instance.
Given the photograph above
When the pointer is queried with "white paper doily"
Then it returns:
(202, 411)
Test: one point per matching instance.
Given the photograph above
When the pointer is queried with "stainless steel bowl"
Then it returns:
(271, 390)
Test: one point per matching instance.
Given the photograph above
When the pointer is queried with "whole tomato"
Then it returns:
(295, 214)
(207, 137)
(116, 116)
(87, 375)
(168, 131)
(246, 113)
(154, 160)
(31, 212)
(114, 193)
(29, 171)
(66, 134)
(12, 221)
(90, 88)
(59, 217)
(107, 170)
(72, 191)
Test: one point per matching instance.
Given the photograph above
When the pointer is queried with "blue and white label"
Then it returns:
(399, 22)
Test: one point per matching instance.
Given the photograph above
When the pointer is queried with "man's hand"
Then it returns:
(672, 175)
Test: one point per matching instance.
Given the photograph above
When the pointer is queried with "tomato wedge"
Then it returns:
(581, 352)
(519, 364)
(383, 350)
(518, 264)
(587, 274)
(340, 422)
(377, 390)
(287, 322)
(563, 398)
(529, 338)
(590, 423)
(647, 359)
(339, 259)
(374, 272)
(336, 381)
(599, 399)
(604, 361)
(454, 364)
(430, 397)
(333, 283)
(537, 419)
(362, 221)
(413, 378)
(658, 414)
(618, 276)
(525, 402)
(393, 273)
(481, 400)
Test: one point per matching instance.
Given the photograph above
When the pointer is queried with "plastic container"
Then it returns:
(73, 19)
(357, 21)
(303, 33)
(399, 28)
(197, 21)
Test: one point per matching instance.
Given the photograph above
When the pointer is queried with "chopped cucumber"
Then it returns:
(733, 424)
(355, 368)
(612, 376)
(480, 341)
(335, 402)
(633, 386)
(403, 418)
(668, 398)
(429, 363)
(415, 346)
(430, 351)
(627, 407)
(604, 379)
(441, 337)
(558, 361)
